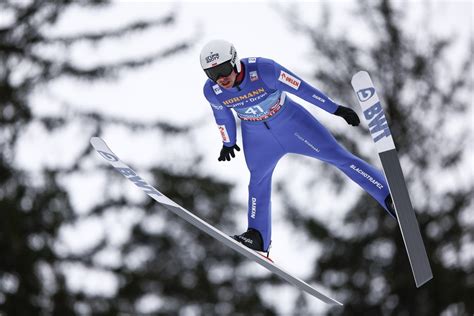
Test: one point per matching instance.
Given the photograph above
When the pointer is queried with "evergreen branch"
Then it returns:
(116, 33)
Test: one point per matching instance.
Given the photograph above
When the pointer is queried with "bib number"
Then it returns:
(254, 110)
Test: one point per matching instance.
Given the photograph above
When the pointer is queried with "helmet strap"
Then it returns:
(240, 75)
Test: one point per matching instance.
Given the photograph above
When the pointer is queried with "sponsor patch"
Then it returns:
(317, 97)
(254, 208)
(217, 89)
(217, 106)
(212, 57)
(244, 97)
(253, 76)
(289, 80)
(367, 176)
(224, 134)
(252, 60)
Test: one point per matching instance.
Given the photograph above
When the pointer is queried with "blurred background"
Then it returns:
(77, 239)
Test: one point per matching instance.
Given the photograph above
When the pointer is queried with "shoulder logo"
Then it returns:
(365, 94)
(217, 89)
(253, 75)
(289, 80)
(252, 60)
(217, 106)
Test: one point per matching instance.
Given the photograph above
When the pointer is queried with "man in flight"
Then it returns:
(273, 125)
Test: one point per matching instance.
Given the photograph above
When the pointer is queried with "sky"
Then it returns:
(156, 92)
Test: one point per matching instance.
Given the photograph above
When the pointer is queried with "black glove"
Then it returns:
(226, 152)
(348, 114)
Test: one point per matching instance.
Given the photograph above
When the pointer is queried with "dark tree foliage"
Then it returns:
(426, 100)
(165, 263)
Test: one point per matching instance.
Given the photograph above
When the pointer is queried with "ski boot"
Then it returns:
(390, 206)
(253, 240)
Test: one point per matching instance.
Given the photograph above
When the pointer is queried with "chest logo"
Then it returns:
(244, 97)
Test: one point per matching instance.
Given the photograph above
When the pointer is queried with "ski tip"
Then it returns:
(99, 144)
(96, 141)
(360, 74)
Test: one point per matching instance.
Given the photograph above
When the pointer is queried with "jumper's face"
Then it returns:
(227, 81)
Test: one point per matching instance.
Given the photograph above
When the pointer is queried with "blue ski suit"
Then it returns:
(274, 125)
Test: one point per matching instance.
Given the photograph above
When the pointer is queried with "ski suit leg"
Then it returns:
(307, 136)
(262, 153)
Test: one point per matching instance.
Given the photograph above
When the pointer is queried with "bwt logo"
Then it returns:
(365, 94)
(108, 156)
(139, 182)
(212, 57)
(377, 123)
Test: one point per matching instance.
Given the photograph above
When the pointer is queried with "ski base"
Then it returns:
(101, 147)
(406, 218)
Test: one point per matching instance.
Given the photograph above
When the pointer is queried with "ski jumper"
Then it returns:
(274, 125)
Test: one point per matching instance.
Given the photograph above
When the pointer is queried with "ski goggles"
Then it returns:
(222, 70)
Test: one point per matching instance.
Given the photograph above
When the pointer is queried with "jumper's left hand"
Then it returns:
(348, 114)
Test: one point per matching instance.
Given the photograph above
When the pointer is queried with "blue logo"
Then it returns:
(139, 182)
(108, 156)
(377, 122)
(365, 94)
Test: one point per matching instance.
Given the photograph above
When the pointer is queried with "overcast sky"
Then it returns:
(171, 90)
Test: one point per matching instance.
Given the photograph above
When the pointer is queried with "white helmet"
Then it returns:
(219, 58)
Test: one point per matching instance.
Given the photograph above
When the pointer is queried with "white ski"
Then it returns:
(374, 116)
(102, 148)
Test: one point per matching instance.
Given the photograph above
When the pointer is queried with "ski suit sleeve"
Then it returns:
(224, 117)
(289, 82)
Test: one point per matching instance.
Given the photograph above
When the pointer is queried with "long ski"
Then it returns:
(105, 152)
(374, 116)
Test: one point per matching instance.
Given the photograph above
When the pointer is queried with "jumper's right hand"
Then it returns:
(227, 152)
